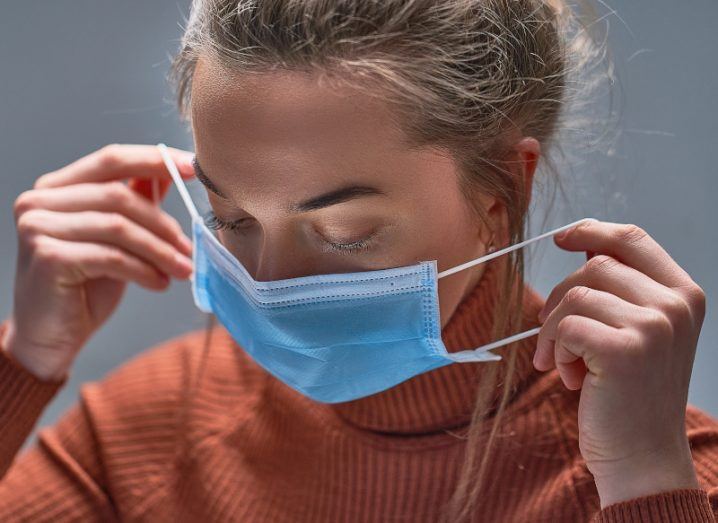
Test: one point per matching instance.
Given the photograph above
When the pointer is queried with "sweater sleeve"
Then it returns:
(683, 505)
(23, 397)
(59, 479)
(675, 506)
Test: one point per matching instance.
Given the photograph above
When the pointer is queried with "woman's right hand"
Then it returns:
(82, 235)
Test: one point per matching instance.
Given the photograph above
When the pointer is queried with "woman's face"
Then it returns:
(318, 180)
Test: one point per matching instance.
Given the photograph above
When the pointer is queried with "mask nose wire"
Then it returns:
(177, 178)
(508, 249)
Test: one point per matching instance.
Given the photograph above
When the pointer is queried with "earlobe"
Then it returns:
(491, 244)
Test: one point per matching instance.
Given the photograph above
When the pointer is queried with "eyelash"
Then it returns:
(350, 248)
(213, 222)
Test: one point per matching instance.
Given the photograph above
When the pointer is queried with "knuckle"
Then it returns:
(112, 256)
(658, 327)
(24, 202)
(676, 306)
(115, 223)
(696, 298)
(28, 224)
(599, 264)
(110, 156)
(41, 182)
(630, 233)
(117, 194)
(566, 327)
(634, 342)
(578, 294)
(585, 225)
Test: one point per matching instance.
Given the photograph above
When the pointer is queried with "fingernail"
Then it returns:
(187, 158)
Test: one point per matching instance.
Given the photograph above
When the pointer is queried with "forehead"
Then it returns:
(287, 109)
(282, 135)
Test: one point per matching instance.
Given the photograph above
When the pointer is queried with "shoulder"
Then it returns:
(699, 423)
(198, 362)
(188, 385)
(130, 431)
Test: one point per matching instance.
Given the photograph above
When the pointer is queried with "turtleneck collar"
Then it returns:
(444, 398)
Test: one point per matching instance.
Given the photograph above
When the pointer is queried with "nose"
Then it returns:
(277, 257)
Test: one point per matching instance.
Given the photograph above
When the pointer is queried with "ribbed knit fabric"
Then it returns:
(180, 434)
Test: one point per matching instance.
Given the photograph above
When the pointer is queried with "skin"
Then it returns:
(623, 328)
(271, 141)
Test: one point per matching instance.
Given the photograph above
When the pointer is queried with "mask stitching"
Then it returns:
(323, 299)
(324, 283)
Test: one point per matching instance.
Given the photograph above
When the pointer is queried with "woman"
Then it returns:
(342, 137)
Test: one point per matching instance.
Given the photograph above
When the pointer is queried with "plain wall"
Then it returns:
(78, 75)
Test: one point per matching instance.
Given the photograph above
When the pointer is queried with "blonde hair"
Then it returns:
(463, 75)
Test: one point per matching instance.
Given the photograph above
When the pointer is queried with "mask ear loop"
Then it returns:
(177, 178)
(184, 193)
(481, 353)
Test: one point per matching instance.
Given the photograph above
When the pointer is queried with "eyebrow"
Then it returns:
(199, 173)
(334, 197)
(343, 194)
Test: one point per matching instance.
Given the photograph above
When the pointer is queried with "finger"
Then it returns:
(112, 197)
(575, 352)
(584, 301)
(118, 162)
(605, 273)
(153, 189)
(106, 261)
(110, 229)
(627, 243)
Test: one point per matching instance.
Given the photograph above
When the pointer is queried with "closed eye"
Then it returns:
(352, 247)
(212, 221)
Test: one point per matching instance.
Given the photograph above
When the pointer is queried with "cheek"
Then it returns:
(450, 234)
(453, 289)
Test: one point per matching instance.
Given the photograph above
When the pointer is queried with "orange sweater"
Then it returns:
(248, 448)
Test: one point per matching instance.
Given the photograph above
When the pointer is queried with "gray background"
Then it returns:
(77, 75)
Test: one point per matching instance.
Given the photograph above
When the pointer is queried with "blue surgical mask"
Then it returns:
(332, 337)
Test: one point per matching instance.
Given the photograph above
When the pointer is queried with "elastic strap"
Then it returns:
(508, 249)
(482, 353)
(177, 178)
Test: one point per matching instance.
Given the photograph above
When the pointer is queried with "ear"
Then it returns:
(527, 152)
(521, 162)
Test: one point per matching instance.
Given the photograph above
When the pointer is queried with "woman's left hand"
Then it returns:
(623, 328)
